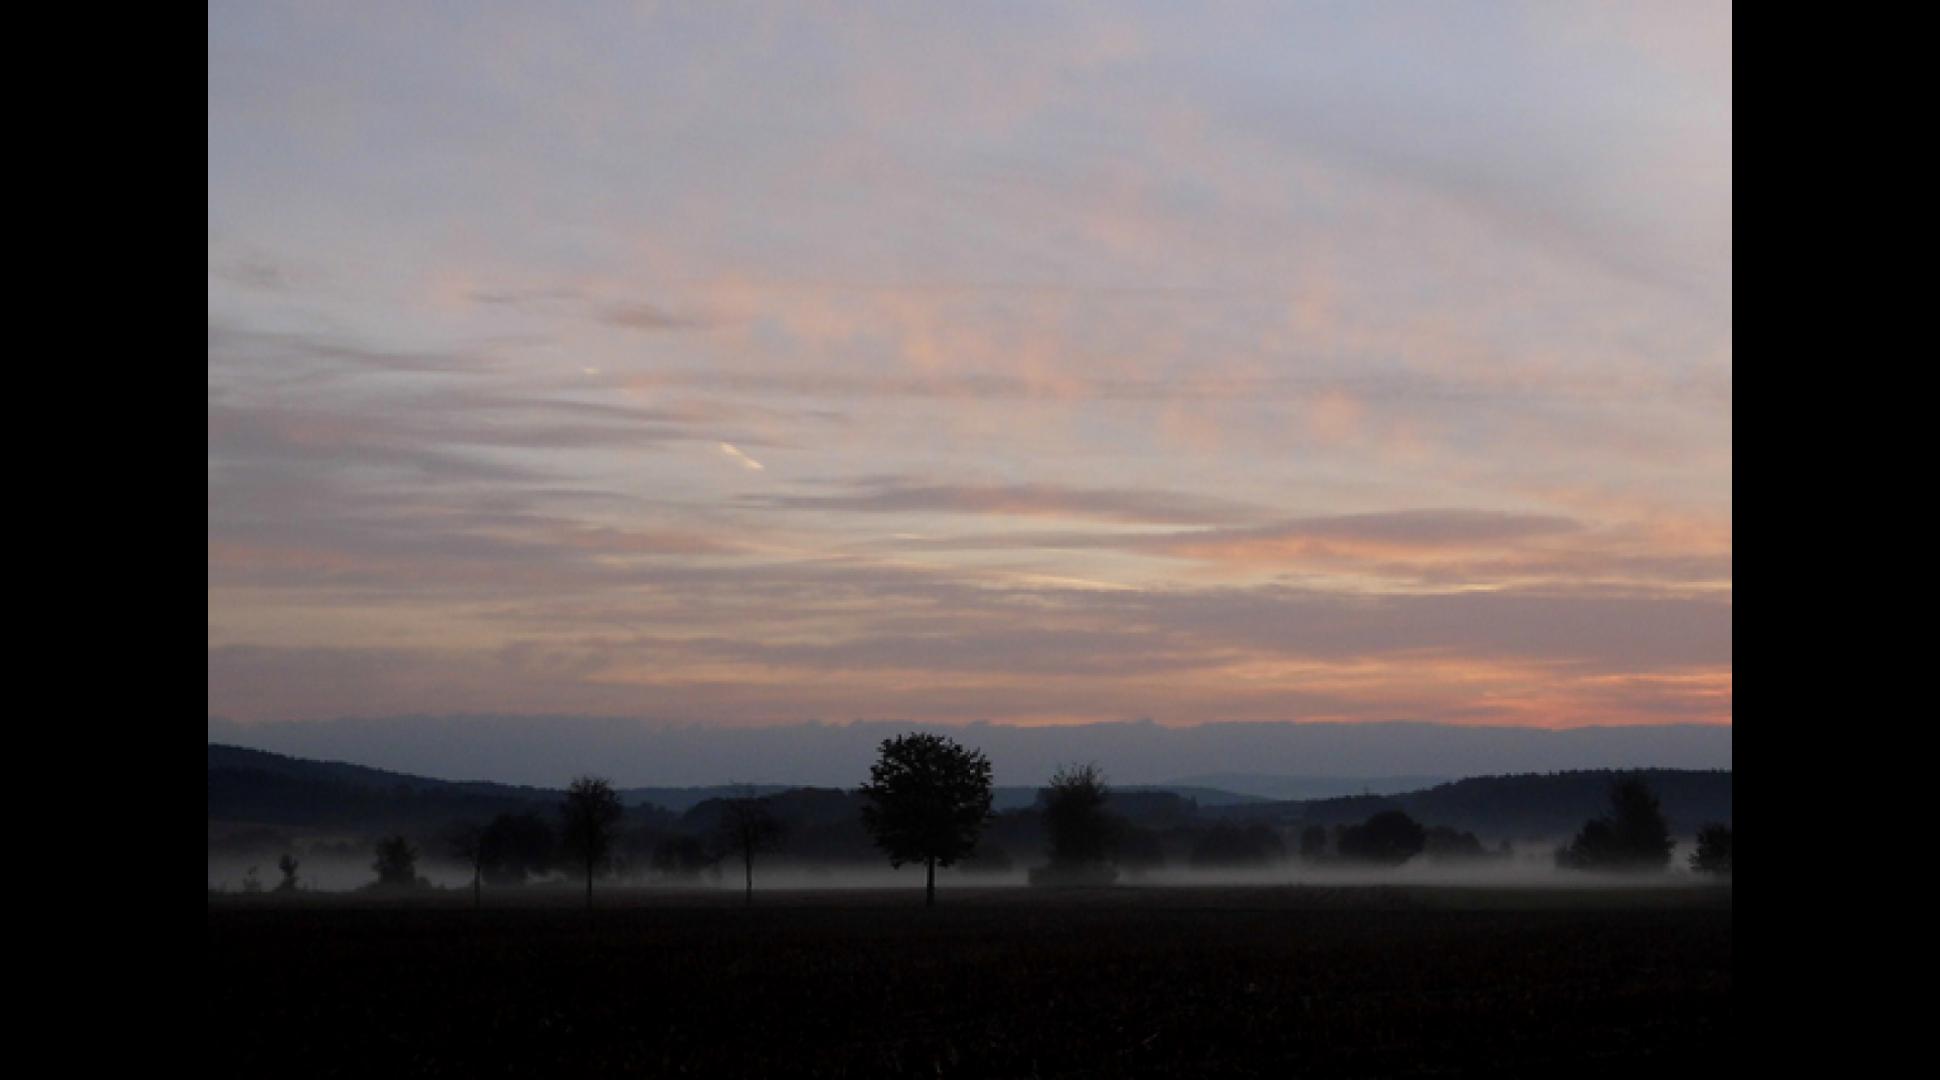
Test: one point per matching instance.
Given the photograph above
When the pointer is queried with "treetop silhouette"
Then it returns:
(927, 800)
(592, 813)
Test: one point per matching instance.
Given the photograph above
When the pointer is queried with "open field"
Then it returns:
(999, 982)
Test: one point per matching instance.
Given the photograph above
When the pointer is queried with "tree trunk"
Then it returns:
(589, 885)
(929, 890)
(478, 897)
(748, 861)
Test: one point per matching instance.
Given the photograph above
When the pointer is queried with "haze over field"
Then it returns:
(729, 365)
(1488, 830)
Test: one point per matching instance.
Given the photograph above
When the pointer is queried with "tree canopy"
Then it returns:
(926, 801)
(1632, 836)
(1083, 837)
(1390, 837)
(396, 863)
(1074, 815)
(1713, 854)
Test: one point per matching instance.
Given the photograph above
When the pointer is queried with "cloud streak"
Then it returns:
(740, 458)
(1125, 505)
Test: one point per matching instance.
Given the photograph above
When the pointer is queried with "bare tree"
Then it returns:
(592, 812)
(748, 827)
(466, 840)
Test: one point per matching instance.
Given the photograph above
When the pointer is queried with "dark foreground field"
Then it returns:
(1175, 982)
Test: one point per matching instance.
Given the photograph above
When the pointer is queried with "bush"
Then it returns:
(1390, 837)
(397, 864)
(1713, 854)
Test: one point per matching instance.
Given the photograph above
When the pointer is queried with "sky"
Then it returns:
(731, 365)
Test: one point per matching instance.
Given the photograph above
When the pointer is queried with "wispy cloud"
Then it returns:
(744, 460)
(1128, 505)
(735, 364)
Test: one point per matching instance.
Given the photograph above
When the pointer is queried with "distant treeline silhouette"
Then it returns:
(927, 801)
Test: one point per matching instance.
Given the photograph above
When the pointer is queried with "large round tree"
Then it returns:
(927, 801)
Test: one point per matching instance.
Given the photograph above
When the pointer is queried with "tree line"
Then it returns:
(927, 802)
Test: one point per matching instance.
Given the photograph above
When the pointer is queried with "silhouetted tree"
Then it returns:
(1713, 854)
(1595, 846)
(396, 863)
(1080, 832)
(466, 842)
(1390, 837)
(1633, 836)
(927, 800)
(1639, 822)
(592, 814)
(747, 828)
(518, 845)
(287, 864)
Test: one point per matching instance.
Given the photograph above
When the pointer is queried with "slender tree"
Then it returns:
(592, 814)
(927, 801)
(466, 840)
(287, 864)
(747, 828)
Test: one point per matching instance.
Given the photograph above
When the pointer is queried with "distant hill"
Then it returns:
(679, 800)
(257, 788)
(240, 758)
(260, 787)
(1525, 805)
(1018, 797)
(1265, 787)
